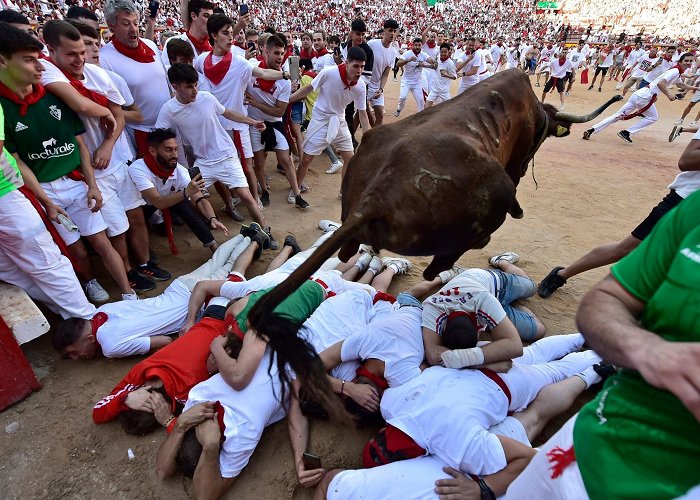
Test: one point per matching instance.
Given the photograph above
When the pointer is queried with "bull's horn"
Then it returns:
(572, 118)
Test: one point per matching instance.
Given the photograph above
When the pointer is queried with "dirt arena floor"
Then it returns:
(589, 193)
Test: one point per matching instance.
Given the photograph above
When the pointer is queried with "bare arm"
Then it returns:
(132, 114)
(197, 298)
(153, 197)
(298, 428)
(150, 32)
(93, 193)
(690, 159)
(239, 372)
(103, 154)
(267, 74)
(364, 120)
(607, 317)
(385, 77)
(277, 110)
(235, 116)
(158, 342)
(433, 347)
(301, 93)
(82, 105)
(207, 480)
(506, 343)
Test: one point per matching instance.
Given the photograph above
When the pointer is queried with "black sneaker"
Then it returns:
(176, 219)
(300, 202)
(590, 88)
(251, 230)
(139, 283)
(625, 136)
(265, 198)
(605, 370)
(280, 169)
(550, 283)
(291, 241)
(273, 242)
(150, 270)
(588, 133)
(263, 241)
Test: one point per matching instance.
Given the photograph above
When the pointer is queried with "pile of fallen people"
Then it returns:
(454, 409)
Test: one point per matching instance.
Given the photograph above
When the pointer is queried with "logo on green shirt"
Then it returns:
(55, 112)
(50, 151)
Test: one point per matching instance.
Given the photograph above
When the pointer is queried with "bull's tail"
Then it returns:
(281, 334)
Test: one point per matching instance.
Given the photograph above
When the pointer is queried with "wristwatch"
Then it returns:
(486, 492)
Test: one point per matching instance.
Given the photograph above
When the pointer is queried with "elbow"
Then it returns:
(517, 349)
(432, 358)
(163, 473)
(684, 164)
(137, 118)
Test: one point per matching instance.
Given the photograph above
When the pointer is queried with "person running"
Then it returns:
(468, 67)
(560, 69)
(642, 103)
(640, 68)
(606, 55)
(385, 53)
(446, 74)
(685, 184)
(414, 61)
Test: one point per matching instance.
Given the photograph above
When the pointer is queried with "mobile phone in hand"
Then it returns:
(243, 9)
(153, 8)
(251, 46)
(294, 68)
(311, 461)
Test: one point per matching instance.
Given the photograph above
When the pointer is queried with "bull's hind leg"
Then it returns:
(348, 249)
(516, 210)
(439, 263)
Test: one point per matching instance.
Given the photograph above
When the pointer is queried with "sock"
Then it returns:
(589, 376)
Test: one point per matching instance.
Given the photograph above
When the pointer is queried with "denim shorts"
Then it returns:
(405, 299)
(511, 287)
(297, 112)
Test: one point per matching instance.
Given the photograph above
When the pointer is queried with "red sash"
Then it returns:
(38, 91)
(142, 53)
(216, 72)
(641, 111)
(163, 174)
(95, 97)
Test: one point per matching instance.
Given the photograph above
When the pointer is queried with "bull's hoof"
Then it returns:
(517, 213)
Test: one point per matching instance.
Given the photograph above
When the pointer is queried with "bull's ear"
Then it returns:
(562, 131)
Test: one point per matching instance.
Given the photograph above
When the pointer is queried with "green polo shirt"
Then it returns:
(635, 441)
(10, 177)
(44, 138)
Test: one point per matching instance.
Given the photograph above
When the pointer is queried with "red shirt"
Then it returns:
(180, 365)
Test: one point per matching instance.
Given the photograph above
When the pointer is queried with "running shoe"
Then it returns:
(265, 198)
(130, 296)
(273, 242)
(511, 257)
(234, 214)
(625, 136)
(291, 241)
(588, 133)
(550, 283)
(290, 197)
(152, 271)
(95, 292)
(450, 274)
(336, 166)
(138, 282)
(375, 265)
(300, 202)
(328, 225)
(678, 122)
(398, 264)
(250, 229)
(675, 132)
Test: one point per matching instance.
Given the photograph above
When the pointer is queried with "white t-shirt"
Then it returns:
(144, 179)
(336, 319)
(246, 412)
(164, 52)
(468, 81)
(607, 57)
(633, 57)
(440, 83)
(97, 80)
(481, 55)
(383, 58)
(686, 183)
(394, 336)
(230, 91)
(433, 53)
(643, 65)
(199, 125)
(558, 70)
(411, 72)
(280, 91)
(576, 57)
(659, 70)
(546, 54)
(496, 52)
(448, 413)
(669, 77)
(122, 87)
(318, 63)
(130, 323)
(473, 292)
(148, 82)
(512, 56)
(334, 95)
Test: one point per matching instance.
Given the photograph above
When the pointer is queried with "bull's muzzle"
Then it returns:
(572, 118)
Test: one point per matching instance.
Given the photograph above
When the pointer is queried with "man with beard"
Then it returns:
(167, 185)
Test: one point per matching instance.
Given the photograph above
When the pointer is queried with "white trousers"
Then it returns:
(30, 259)
(635, 103)
(219, 265)
(416, 90)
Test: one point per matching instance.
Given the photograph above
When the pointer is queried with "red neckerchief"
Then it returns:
(562, 60)
(142, 53)
(216, 72)
(38, 91)
(262, 84)
(310, 73)
(322, 52)
(290, 52)
(381, 382)
(240, 45)
(232, 326)
(430, 44)
(445, 59)
(414, 51)
(95, 97)
(343, 70)
(680, 69)
(97, 321)
(163, 173)
(307, 54)
(202, 45)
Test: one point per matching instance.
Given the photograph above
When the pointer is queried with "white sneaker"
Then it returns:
(291, 197)
(562, 107)
(511, 257)
(335, 167)
(450, 274)
(366, 249)
(375, 265)
(694, 123)
(618, 86)
(303, 188)
(95, 292)
(130, 296)
(398, 264)
(235, 201)
(678, 122)
(363, 262)
(327, 226)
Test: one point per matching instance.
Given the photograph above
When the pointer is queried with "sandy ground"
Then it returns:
(589, 193)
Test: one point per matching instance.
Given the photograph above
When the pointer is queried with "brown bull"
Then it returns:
(438, 182)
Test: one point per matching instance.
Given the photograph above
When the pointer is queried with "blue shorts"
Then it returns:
(405, 299)
(297, 112)
(513, 287)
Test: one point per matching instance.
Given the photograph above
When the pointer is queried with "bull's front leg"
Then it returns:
(440, 263)
(516, 210)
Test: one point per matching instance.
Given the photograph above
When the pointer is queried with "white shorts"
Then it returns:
(379, 101)
(436, 97)
(316, 141)
(245, 141)
(255, 135)
(227, 171)
(511, 428)
(72, 197)
(696, 97)
(119, 194)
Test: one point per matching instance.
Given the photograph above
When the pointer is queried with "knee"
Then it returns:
(540, 329)
(78, 250)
